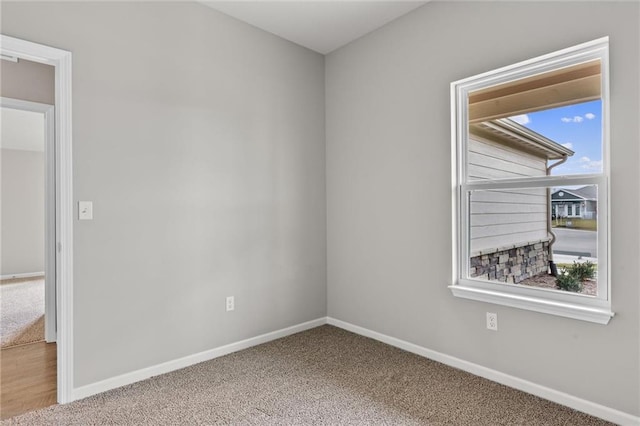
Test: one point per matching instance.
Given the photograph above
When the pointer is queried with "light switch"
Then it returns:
(85, 210)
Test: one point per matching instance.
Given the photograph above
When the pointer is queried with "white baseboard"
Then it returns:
(553, 395)
(166, 367)
(25, 275)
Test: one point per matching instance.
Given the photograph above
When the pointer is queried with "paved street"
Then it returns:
(576, 242)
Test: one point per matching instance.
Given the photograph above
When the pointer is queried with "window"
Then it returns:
(530, 145)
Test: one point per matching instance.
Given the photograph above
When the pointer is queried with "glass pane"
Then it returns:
(549, 123)
(540, 237)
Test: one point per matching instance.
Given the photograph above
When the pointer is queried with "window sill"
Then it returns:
(598, 315)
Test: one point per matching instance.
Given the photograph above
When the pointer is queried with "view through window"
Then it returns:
(543, 236)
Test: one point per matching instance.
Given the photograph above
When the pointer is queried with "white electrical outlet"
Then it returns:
(492, 321)
(230, 303)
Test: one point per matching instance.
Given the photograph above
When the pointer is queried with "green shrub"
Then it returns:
(583, 271)
(568, 281)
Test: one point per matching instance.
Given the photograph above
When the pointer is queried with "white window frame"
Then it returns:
(571, 305)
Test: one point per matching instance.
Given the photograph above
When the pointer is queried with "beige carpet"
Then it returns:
(324, 376)
(21, 311)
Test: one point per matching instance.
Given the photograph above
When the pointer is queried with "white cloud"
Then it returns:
(568, 145)
(593, 165)
(521, 119)
(589, 164)
(578, 165)
(577, 118)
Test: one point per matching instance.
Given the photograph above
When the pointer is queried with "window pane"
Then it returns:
(517, 236)
(549, 123)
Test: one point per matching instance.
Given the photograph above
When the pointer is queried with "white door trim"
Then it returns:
(61, 60)
(49, 209)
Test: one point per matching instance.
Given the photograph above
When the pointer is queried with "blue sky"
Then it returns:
(578, 127)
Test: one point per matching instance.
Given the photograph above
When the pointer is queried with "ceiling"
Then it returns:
(322, 26)
(21, 130)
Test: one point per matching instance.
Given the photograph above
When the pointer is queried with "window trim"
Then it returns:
(571, 305)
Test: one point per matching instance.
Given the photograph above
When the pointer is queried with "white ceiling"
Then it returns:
(322, 26)
(23, 130)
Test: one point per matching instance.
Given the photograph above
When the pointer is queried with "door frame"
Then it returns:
(49, 208)
(61, 60)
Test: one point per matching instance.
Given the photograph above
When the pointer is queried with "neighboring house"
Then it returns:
(509, 228)
(575, 203)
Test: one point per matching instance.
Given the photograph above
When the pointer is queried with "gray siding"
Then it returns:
(505, 218)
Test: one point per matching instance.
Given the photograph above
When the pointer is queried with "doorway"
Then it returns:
(61, 227)
(28, 220)
(27, 266)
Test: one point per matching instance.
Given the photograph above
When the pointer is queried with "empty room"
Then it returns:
(332, 212)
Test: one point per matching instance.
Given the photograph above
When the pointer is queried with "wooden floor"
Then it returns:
(27, 378)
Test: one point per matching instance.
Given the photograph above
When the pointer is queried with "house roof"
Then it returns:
(511, 132)
(589, 192)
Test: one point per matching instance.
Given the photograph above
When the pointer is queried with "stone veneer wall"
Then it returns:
(511, 265)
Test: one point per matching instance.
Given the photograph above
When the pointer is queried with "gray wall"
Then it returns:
(388, 186)
(22, 202)
(200, 141)
(26, 80)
